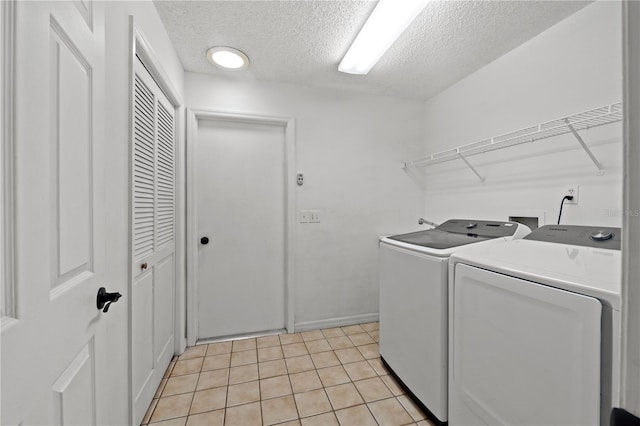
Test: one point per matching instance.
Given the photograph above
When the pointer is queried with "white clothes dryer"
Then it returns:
(535, 329)
(413, 302)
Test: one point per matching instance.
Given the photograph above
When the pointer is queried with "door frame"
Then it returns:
(288, 123)
(139, 46)
(630, 351)
(8, 309)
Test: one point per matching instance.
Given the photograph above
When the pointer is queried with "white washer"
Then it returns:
(535, 329)
(413, 302)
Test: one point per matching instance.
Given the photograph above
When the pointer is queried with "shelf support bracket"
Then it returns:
(585, 147)
(471, 167)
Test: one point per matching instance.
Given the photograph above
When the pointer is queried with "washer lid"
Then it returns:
(458, 232)
(590, 271)
(437, 239)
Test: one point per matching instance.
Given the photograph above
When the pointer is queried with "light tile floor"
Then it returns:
(321, 377)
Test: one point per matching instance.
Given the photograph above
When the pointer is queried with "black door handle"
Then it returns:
(204, 240)
(104, 299)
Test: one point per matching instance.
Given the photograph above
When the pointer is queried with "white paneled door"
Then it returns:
(53, 369)
(153, 242)
(241, 227)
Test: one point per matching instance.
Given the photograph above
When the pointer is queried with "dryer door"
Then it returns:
(523, 353)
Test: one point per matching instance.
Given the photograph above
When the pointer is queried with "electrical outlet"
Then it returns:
(572, 190)
(314, 216)
(304, 216)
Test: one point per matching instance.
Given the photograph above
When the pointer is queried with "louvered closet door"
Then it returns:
(153, 195)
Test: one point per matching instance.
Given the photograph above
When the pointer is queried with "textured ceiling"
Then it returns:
(303, 42)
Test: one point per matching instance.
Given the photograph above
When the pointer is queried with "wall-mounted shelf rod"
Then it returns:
(586, 148)
(471, 167)
(570, 124)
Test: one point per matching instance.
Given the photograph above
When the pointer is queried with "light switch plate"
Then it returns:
(314, 216)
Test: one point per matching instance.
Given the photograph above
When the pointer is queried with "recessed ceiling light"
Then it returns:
(227, 58)
(385, 24)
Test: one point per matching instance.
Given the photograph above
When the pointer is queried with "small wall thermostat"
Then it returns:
(300, 179)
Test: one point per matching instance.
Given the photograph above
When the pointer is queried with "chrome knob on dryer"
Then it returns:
(601, 235)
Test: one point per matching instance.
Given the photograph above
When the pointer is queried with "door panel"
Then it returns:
(52, 353)
(71, 94)
(74, 391)
(515, 341)
(143, 171)
(163, 308)
(241, 208)
(142, 322)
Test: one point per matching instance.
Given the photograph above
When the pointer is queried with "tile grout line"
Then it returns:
(226, 396)
(383, 382)
(356, 388)
(293, 394)
(193, 395)
(365, 403)
(259, 388)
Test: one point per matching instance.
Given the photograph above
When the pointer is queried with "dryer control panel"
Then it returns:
(587, 236)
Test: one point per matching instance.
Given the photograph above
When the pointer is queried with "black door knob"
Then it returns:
(204, 240)
(104, 299)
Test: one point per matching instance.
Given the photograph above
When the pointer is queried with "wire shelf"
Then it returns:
(570, 124)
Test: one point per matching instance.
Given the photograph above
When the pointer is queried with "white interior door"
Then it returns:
(53, 371)
(241, 210)
(153, 242)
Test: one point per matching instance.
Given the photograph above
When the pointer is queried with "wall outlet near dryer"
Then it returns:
(572, 190)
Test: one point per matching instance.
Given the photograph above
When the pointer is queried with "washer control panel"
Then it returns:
(481, 228)
(587, 236)
(459, 232)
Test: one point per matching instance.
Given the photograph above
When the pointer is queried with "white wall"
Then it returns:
(349, 147)
(572, 67)
(118, 48)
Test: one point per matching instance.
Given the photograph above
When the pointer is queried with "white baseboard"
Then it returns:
(336, 322)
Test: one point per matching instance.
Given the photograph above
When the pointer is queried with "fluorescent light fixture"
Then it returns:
(387, 21)
(227, 57)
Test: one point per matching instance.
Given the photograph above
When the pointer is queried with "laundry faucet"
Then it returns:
(422, 221)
